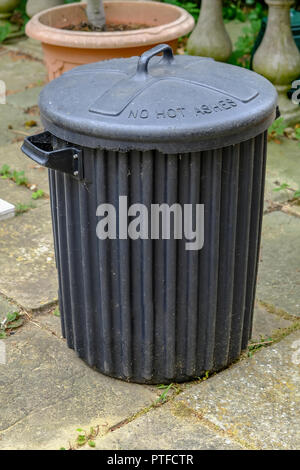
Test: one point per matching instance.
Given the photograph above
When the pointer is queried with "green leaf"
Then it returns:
(277, 127)
(37, 194)
(4, 31)
(81, 439)
(56, 313)
(91, 443)
(19, 178)
(297, 194)
(16, 324)
(281, 187)
(12, 316)
(163, 396)
(5, 169)
(22, 208)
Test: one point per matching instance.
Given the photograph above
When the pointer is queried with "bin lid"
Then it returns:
(170, 103)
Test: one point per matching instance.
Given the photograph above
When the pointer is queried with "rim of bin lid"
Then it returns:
(170, 104)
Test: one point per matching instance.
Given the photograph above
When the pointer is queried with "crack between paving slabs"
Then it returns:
(280, 313)
(285, 207)
(205, 422)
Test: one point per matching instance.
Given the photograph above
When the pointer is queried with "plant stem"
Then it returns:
(95, 13)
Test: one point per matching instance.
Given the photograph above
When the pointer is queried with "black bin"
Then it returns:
(156, 307)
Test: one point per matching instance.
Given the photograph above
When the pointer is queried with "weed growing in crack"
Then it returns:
(23, 208)
(264, 342)
(17, 177)
(166, 389)
(56, 313)
(11, 322)
(85, 437)
(38, 194)
(295, 193)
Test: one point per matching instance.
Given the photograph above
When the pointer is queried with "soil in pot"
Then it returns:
(111, 27)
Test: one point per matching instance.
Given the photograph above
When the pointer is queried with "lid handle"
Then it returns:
(168, 57)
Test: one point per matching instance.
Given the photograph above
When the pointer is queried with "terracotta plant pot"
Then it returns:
(65, 49)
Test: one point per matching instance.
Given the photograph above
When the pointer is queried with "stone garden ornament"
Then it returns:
(35, 6)
(278, 57)
(210, 38)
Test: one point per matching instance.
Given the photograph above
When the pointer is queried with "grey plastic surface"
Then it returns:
(150, 311)
(171, 104)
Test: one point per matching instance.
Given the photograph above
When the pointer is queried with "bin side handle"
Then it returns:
(67, 160)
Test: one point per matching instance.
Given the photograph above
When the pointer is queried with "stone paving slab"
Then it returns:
(292, 208)
(283, 166)
(27, 46)
(14, 194)
(25, 99)
(170, 427)
(12, 124)
(266, 323)
(279, 269)
(28, 272)
(274, 197)
(49, 321)
(12, 156)
(20, 73)
(257, 401)
(6, 307)
(46, 393)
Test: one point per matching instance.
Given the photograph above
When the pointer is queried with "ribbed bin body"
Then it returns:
(150, 311)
